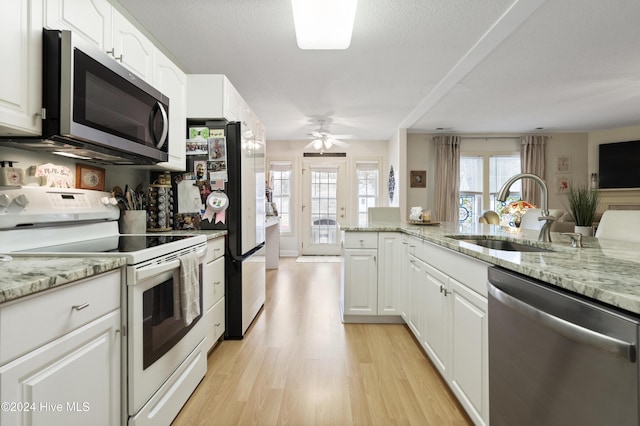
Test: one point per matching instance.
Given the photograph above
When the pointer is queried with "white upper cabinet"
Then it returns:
(98, 22)
(213, 96)
(132, 48)
(89, 18)
(172, 82)
(21, 73)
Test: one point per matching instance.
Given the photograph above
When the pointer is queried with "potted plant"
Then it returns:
(583, 202)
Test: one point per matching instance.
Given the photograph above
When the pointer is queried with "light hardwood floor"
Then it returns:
(299, 365)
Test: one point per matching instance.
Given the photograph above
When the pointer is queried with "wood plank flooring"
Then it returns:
(299, 365)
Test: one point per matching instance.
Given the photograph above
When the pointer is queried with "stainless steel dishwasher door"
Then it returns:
(558, 359)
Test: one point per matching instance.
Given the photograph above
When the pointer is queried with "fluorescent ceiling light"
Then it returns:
(324, 24)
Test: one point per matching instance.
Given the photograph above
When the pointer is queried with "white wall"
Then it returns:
(114, 175)
(293, 151)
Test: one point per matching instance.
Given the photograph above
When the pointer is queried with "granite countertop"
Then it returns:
(24, 274)
(604, 270)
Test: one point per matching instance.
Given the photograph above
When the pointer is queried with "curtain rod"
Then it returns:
(489, 137)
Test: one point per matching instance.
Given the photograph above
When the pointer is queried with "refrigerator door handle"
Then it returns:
(241, 258)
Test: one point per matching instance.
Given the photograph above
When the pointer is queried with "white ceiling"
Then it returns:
(465, 66)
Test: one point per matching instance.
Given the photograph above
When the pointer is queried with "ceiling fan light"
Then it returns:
(317, 144)
(328, 144)
(324, 24)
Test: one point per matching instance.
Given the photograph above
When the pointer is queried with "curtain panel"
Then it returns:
(447, 181)
(532, 160)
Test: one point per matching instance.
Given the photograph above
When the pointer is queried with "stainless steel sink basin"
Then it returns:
(502, 245)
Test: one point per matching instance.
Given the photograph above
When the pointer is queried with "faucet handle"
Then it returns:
(548, 218)
(576, 239)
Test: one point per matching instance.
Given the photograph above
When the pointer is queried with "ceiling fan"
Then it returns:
(323, 140)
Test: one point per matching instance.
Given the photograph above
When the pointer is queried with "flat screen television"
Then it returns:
(620, 165)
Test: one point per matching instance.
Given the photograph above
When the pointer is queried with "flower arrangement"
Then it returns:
(517, 209)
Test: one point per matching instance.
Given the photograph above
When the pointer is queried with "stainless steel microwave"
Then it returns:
(96, 109)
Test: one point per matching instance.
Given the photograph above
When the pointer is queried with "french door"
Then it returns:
(323, 205)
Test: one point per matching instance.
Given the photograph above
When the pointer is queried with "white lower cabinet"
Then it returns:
(435, 338)
(389, 289)
(370, 289)
(75, 377)
(416, 290)
(444, 304)
(360, 294)
(213, 288)
(469, 372)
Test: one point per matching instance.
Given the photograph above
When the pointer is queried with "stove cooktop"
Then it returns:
(115, 244)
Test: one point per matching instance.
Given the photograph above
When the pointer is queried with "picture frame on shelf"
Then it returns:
(90, 177)
(418, 179)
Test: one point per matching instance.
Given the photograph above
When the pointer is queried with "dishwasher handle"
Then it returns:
(617, 347)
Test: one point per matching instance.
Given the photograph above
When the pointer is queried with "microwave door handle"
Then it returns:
(165, 124)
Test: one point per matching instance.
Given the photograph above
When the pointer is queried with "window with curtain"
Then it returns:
(280, 181)
(367, 188)
(481, 177)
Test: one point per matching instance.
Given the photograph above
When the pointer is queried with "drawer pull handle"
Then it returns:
(216, 283)
(217, 325)
(80, 307)
(216, 249)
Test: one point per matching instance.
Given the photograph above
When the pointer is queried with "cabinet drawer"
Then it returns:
(215, 249)
(213, 285)
(215, 322)
(355, 240)
(28, 324)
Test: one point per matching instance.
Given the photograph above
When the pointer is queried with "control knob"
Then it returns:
(109, 201)
(22, 200)
(5, 200)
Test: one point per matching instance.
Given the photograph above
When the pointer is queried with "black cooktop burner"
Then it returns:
(115, 244)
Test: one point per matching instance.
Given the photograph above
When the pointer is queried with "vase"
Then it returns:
(587, 231)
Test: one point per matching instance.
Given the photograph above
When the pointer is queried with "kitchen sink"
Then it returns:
(500, 244)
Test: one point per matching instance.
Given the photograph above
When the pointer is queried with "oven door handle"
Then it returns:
(151, 271)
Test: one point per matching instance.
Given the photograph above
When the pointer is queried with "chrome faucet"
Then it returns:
(545, 231)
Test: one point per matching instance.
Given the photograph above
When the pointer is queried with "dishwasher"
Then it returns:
(557, 358)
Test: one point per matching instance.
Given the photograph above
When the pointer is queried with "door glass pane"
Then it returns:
(324, 206)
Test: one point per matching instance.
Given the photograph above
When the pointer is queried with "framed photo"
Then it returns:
(89, 177)
(563, 164)
(562, 184)
(418, 178)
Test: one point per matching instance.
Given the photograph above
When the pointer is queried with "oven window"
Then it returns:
(161, 329)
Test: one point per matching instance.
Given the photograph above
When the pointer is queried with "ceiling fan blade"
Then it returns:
(315, 144)
(339, 143)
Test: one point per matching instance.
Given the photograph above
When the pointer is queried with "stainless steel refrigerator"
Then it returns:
(244, 220)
